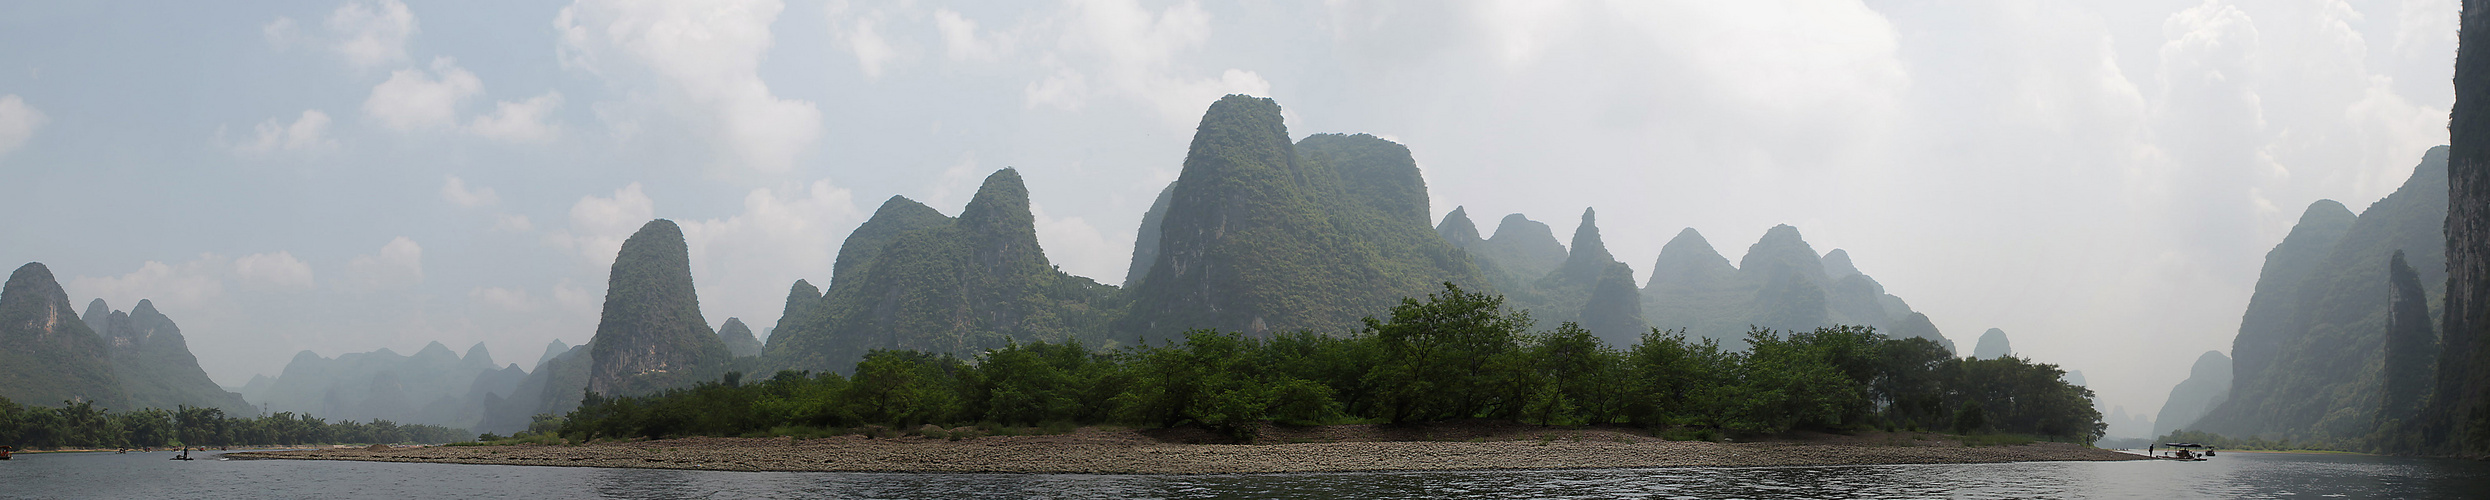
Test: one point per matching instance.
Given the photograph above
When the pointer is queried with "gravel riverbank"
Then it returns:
(1121, 451)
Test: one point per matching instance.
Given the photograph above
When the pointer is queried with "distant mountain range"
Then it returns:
(1258, 234)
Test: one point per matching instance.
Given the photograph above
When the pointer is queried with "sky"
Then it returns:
(2100, 178)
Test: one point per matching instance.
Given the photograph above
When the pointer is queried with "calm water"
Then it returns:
(2238, 475)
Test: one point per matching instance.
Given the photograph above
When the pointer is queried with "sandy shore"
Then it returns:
(1118, 451)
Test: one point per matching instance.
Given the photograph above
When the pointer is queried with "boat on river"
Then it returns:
(2185, 452)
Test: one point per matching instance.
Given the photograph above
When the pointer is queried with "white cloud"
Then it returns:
(369, 33)
(187, 283)
(2421, 25)
(414, 99)
(400, 263)
(600, 224)
(280, 32)
(1130, 51)
(505, 299)
(273, 271)
(862, 35)
(743, 263)
(961, 42)
(523, 121)
(308, 132)
(456, 191)
(1080, 248)
(705, 57)
(18, 122)
(513, 223)
(575, 299)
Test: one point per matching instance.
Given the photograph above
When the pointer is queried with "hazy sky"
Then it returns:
(2101, 179)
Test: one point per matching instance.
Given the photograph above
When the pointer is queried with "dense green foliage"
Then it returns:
(1457, 355)
(651, 336)
(82, 424)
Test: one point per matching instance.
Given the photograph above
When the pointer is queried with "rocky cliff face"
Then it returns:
(1146, 242)
(651, 336)
(154, 362)
(47, 355)
(2411, 344)
(2460, 413)
(1262, 235)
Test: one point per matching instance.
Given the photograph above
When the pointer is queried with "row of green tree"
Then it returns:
(1458, 355)
(81, 424)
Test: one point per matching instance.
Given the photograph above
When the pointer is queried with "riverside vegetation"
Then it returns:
(1458, 355)
(82, 424)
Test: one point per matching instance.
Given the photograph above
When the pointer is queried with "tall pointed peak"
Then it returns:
(1458, 229)
(435, 348)
(477, 352)
(899, 204)
(1689, 260)
(1002, 202)
(1589, 254)
(897, 216)
(145, 309)
(1517, 229)
(1837, 265)
(2324, 211)
(650, 334)
(1992, 344)
(1782, 249)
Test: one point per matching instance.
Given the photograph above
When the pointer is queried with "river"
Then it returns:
(2232, 475)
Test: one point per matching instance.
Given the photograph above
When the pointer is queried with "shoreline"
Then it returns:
(1162, 452)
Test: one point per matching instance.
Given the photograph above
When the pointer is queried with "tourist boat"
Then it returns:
(185, 455)
(4, 452)
(2185, 452)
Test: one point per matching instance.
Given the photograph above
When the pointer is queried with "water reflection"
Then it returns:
(2236, 475)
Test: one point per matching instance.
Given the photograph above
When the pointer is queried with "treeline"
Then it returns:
(81, 424)
(1458, 355)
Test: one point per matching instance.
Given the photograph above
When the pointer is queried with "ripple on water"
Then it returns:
(2238, 475)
